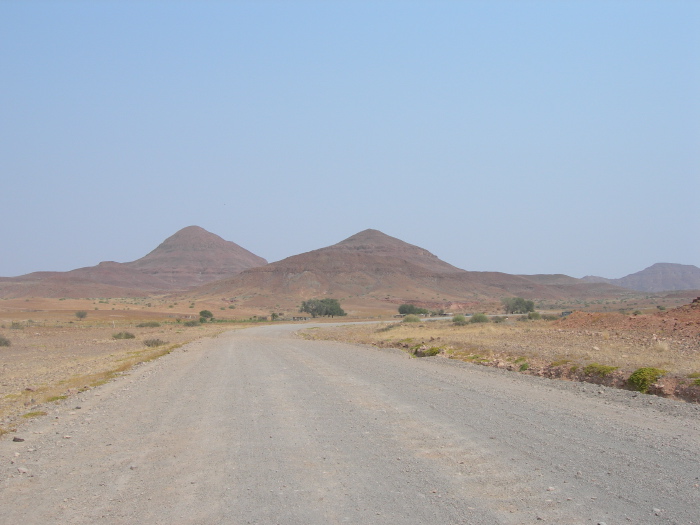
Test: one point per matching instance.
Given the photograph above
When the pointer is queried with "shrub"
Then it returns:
(517, 305)
(594, 369)
(81, 314)
(16, 325)
(154, 342)
(411, 319)
(498, 319)
(479, 318)
(192, 323)
(550, 317)
(148, 324)
(205, 314)
(412, 309)
(124, 335)
(4, 341)
(459, 320)
(388, 327)
(524, 366)
(637, 312)
(642, 378)
(327, 307)
(534, 316)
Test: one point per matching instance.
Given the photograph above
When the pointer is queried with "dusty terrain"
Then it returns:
(52, 354)
(256, 427)
(568, 349)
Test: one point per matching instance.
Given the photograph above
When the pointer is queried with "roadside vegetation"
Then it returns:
(83, 355)
(322, 308)
(635, 361)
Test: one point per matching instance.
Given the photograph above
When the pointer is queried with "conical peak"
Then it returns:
(370, 237)
(192, 237)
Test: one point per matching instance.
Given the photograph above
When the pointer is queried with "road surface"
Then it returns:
(256, 426)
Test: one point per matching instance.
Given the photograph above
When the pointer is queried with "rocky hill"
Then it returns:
(373, 266)
(194, 256)
(659, 277)
(189, 258)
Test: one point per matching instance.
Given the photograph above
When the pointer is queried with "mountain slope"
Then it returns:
(190, 257)
(194, 256)
(659, 277)
(371, 265)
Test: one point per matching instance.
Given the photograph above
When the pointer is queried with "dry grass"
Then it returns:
(541, 342)
(49, 361)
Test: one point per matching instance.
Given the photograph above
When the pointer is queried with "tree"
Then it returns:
(412, 309)
(81, 314)
(322, 307)
(205, 315)
(518, 305)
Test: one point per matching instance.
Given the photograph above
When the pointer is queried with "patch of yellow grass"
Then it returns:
(542, 341)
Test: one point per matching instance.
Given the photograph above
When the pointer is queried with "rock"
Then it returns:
(657, 512)
(22, 470)
(17, 439)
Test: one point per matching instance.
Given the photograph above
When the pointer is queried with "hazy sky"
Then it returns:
(514, 136)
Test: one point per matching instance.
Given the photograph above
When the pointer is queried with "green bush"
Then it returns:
(459, 320)
(534, 316)
(412, 309)
(81, 314)
(192, 323)
(517, 305)
(148, 324)
(433, 350)
(642, 378)
(479, 318)
(498, 319)
(124, 335)
(327, 307)
(594, 369)
(154, 342)
(4, 341)
(411, 319)
(524, 366)
(205, 314)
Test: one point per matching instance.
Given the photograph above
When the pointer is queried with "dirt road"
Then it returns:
(258, 427)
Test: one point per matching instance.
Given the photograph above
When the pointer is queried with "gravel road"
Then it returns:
(256, 426)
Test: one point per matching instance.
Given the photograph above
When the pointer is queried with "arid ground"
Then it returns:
(601, 348)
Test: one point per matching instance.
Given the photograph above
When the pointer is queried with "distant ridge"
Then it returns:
(659, 277)
(194, 256)
(190, 257)
(373, 266)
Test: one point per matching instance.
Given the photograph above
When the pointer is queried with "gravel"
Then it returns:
(258, 427)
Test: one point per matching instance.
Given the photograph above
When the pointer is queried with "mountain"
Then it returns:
(659, 277)
(194, 256)
(373, 266)
(190, 257)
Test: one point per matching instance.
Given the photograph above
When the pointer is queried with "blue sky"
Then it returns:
(515, 136)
